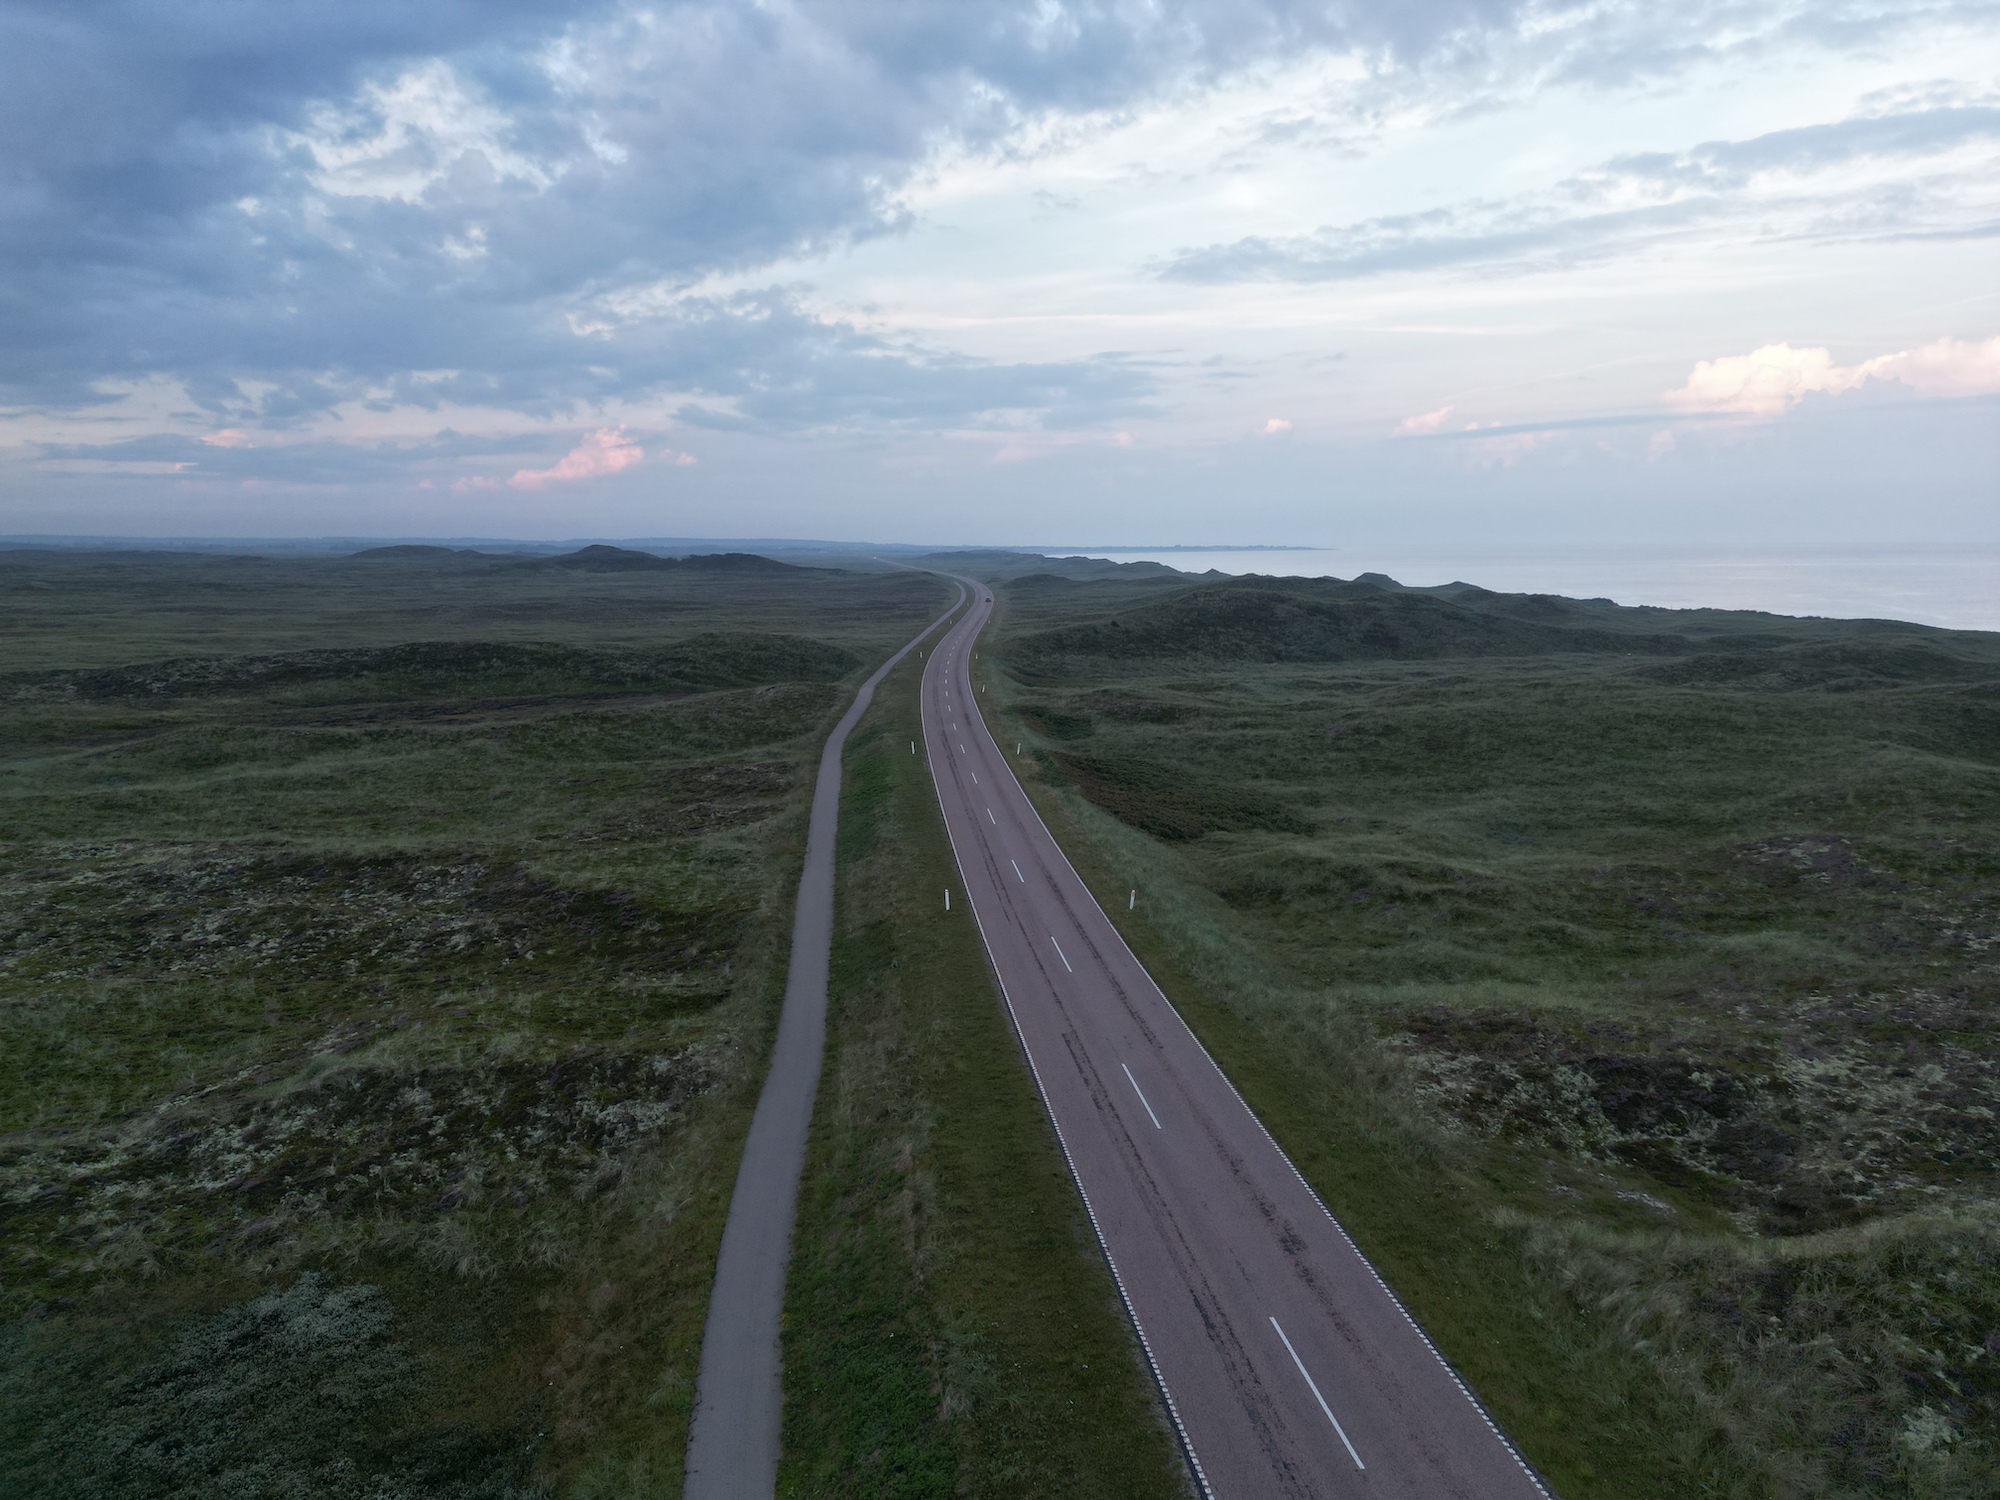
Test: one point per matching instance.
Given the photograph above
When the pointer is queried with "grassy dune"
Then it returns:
(388, 951)
(1626, 980)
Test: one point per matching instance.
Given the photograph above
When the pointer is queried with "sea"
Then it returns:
(1957, 590)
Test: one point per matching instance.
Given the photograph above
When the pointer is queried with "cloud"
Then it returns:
(605, 451)
(1948, 367)
(347, 191)
(1504, 450)
(1275, 426)
(1769, 381)
(1763, 382)
(1429, 421)
(337, 193)
(286, 213)
(1810, 183)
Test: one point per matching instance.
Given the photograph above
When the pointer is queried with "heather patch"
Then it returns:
(336, 1153)
(1856, 1108)
(305, 1392)
(96, 913)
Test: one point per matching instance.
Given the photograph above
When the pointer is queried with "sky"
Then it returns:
(1383, 273)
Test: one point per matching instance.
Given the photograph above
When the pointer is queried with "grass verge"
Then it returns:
(950, 1326)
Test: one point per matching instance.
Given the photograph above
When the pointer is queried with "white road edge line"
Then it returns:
(1314, 1387)
(1059, 953)
(1150, 1115)
(1069, 1161)
(1017, 873)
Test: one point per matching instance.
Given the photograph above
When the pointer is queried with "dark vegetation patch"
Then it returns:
(1235, 622)
(703, 662)
(1137, 708)
(1056, 723)
(304, 1393)
(1850, 666)
(1075, 719)
(1854, 1107)
(77, 611)
(235, 1172)
(603, 559)
(1254, 880)
(1894, 1343)
(288, 919)
(1153, 799)
(707, 799)
(1031, 570)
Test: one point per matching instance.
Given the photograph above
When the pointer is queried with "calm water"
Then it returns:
(1959, 590)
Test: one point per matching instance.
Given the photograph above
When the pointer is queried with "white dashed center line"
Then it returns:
(1142, 1098)
(1017, 873)
(1313, 1386)
(1059, 952)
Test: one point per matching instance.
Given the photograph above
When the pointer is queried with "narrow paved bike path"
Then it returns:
(739, 1391)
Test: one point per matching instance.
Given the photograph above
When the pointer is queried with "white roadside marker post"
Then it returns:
(1133, 902)
(947, 898)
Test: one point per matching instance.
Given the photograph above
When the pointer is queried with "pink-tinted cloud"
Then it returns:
(1430, 421)
(605, 451)
(1949, 367)
(1275, 426)
(1777, 377)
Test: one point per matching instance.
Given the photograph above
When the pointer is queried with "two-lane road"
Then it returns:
(1289, 1367)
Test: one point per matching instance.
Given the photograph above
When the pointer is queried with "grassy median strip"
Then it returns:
(950, 1326)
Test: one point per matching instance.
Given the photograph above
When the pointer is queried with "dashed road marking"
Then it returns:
(1313, 1386)
(1142, 1098)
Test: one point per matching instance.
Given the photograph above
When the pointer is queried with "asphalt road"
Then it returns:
(1288, 1365)
(739, 1404)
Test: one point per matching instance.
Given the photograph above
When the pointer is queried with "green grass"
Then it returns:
(388, 955)
(91, 609)
(1635, 1012)
(951, 1328)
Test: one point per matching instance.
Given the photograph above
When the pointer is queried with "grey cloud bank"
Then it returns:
(387, 250)
(327, 196)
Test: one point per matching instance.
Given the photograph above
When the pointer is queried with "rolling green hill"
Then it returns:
(1627, 980)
